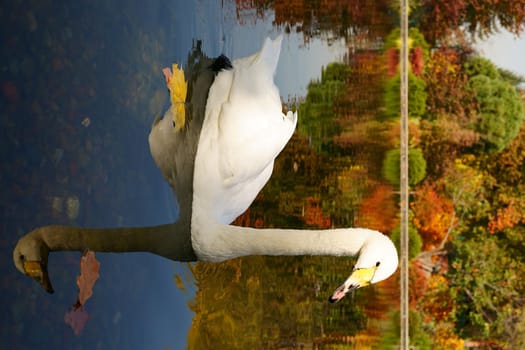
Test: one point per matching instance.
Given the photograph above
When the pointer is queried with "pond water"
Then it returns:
(81, 84)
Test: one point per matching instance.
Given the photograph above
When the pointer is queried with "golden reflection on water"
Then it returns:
(329, 175)
(268, 302)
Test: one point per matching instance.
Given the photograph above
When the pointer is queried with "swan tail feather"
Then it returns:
(270, 53)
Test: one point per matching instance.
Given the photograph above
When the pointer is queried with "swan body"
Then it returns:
(244, 130)
(217, 156)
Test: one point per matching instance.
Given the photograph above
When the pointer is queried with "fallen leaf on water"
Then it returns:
(86, 122)
(89, 267)
(179, 282)
(167, 74)
(76, 318)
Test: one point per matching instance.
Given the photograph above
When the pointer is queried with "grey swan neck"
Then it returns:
(32, 250)
(164, 240)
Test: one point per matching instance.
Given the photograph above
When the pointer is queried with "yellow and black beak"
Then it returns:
(360, 277)
(38, 271)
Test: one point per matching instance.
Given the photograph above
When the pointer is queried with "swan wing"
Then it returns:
(252, 127)
(244, 130)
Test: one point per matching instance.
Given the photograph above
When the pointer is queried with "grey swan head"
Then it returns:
(216, 147)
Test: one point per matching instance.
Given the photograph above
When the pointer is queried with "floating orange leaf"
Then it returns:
(89, 267)
(77, 316)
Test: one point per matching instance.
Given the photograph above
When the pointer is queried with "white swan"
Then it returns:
(217, 159)
(243, 131)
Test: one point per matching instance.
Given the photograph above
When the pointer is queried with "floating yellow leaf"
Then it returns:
(178, 88)
(179, 283)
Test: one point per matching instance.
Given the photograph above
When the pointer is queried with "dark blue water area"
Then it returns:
(76, 106)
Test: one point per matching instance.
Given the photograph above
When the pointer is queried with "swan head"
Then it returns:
(373, 265)
(30, 257)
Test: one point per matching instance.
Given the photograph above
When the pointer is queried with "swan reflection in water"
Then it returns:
(216, 147)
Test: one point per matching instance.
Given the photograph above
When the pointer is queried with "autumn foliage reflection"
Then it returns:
(466, 205)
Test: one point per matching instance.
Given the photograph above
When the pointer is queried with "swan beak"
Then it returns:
(360, 277)
(340, 293)
(38, 271)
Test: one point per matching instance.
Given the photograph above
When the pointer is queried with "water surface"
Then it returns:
(81, 84)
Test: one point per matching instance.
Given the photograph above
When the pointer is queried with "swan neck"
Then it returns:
(234, 241)
(164, 240)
